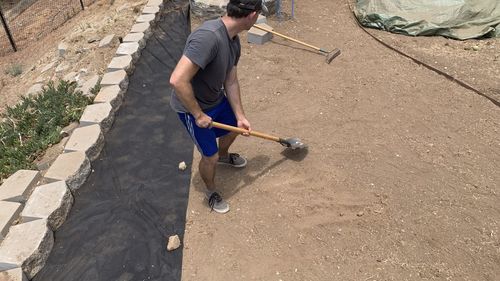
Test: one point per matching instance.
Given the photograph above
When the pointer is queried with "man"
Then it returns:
(206, 89)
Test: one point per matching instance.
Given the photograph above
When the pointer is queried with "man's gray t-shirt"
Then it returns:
(216, 54)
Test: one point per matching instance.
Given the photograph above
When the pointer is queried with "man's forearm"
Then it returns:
(185, 94)
(234, 97)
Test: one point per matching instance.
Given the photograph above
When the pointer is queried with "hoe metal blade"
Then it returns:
(293, 143)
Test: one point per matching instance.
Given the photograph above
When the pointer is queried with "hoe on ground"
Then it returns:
(330, 55)
(292, 143)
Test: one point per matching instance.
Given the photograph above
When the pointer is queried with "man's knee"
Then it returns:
(210, 160)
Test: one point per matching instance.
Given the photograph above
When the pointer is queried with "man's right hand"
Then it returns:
(203, 120)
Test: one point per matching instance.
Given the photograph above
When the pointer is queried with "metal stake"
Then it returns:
(7, 30)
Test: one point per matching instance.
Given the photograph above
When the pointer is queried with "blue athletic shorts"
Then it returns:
(206, 139)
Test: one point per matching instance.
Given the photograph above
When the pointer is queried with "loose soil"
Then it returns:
(101, 18)
(400, 181)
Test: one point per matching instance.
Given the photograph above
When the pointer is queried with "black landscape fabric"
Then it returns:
(136, 196)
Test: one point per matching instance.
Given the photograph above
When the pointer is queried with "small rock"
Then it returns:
(123, 7)
(92, 40)
(360, 214)
(62, 67)
(182, 166)
(40, 79)
(106, 41)
(48, 67)
(35, 89)
(71, 77)
(173, 242)
(88, 85)
(475, 48)
(61, 49)
(66, 131)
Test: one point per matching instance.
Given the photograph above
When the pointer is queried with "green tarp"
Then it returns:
(458, 19)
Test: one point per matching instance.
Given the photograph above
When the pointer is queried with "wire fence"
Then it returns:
(25, 21)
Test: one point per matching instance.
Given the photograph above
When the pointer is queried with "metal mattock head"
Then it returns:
(333, 54)
(295, 143)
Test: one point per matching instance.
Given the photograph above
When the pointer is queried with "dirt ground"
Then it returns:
(400, 181)
(82, 34)
(401, 178)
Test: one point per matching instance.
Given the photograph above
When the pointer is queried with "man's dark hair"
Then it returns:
(242, 8)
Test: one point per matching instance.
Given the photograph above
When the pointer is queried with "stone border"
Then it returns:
(34, 206)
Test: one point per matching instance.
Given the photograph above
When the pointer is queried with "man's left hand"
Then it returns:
(244, 124)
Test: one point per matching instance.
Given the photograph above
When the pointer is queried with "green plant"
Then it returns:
(97, 87)
(14, 70)
(35, 123)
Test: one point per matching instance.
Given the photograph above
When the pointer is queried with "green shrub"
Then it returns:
(14, 70)
(97, 87)
(35, 123)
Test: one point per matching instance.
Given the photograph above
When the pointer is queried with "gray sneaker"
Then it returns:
(216, 203)
(233, 159)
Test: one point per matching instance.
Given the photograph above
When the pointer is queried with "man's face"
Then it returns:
(251, 19)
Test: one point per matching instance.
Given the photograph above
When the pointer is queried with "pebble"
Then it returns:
(475, 48)
(359, 214)
(173, 242)
(182, 166)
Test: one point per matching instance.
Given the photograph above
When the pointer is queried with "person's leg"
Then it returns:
(205, 140)
(226, 138)
(207, 170)
(224, 144)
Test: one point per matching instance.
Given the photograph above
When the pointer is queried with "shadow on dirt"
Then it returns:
(231, 180)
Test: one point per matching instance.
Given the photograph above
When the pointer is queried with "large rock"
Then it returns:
(51, 201)
(90, 84)
(9, 211)
(88, 139)
(28, 246)
(110, 94)
(18, 186)
(15, 274)
(72, 167)
(210, 9)
(154, 3)
(130, 48)
(106, 41)
(121, 63)
(118, 77)
(258, 36)
(146, 18)
(35, 89)
(151, 9)
(99, 113)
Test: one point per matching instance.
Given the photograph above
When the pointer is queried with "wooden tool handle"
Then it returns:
(288, 38)
(243, 131)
